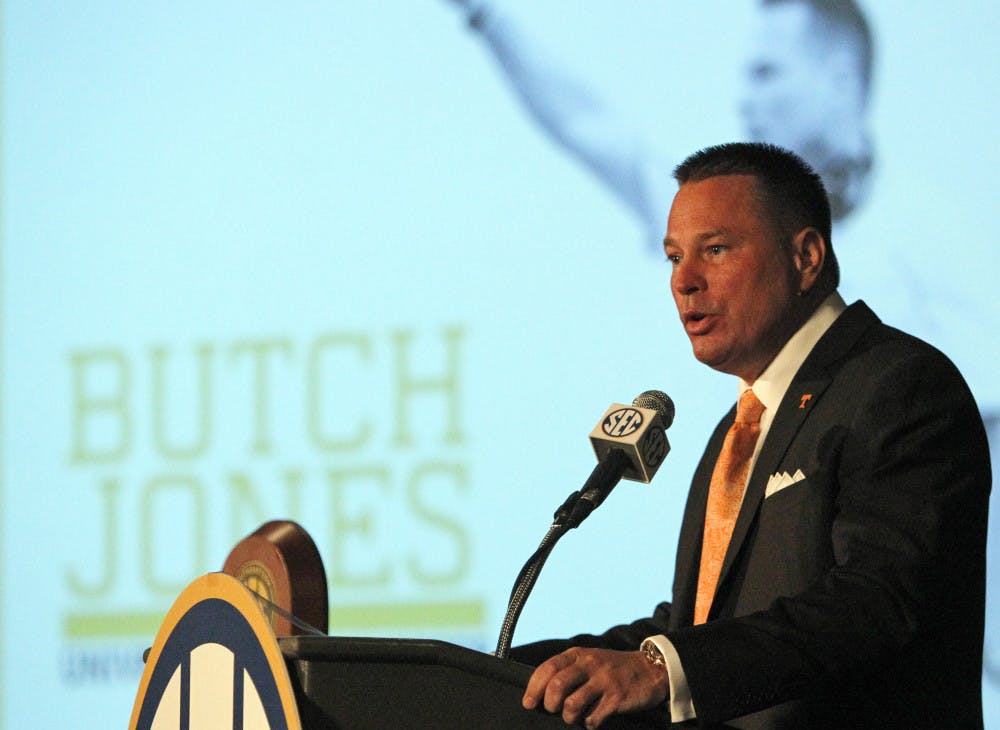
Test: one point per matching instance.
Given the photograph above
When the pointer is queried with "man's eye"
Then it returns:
(715, 250)
(673, 258)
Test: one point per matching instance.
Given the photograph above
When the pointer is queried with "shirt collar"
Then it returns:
(770, 387)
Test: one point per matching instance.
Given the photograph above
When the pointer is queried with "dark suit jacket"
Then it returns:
(853, 598)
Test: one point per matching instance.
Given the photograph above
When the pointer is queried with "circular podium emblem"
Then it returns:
(215, 664)
(280, 563)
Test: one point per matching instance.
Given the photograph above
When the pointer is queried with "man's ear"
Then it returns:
(808, 257)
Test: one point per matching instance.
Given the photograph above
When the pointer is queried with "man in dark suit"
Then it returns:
(842, 584)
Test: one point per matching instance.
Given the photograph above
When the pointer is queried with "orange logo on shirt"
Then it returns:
(805, 398)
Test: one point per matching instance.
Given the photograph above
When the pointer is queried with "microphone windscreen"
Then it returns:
(658, 401)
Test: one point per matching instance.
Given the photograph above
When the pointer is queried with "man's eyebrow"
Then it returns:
(701, 237)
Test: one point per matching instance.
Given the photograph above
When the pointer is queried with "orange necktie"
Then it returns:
(725, 495)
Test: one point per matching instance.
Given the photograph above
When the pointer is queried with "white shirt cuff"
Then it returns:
(681, 705)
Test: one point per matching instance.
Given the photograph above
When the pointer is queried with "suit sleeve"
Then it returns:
(626, 637)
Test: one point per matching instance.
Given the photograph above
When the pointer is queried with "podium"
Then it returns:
(380, 684)
(228, 657)
(216, 663)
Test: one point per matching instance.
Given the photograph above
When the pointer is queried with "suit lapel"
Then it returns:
(791, 414)
(804, 392)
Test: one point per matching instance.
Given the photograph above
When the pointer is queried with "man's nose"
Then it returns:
(687, 278)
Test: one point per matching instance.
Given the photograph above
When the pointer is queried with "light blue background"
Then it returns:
(199, 174)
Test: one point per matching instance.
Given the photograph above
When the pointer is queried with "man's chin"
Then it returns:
(709, 357)
(718, 361)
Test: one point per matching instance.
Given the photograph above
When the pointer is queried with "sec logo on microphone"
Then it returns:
(621, 423)
(654, 447)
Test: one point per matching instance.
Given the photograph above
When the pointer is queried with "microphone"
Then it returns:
(630, 442)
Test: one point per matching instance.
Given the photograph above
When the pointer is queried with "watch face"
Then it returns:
(652, 653)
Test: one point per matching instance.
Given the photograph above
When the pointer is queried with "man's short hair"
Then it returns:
(791, 195)
(845, 23)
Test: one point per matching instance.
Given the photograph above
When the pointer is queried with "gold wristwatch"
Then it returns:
(653, 654)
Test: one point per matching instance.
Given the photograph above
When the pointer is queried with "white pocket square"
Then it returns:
(779, 480)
